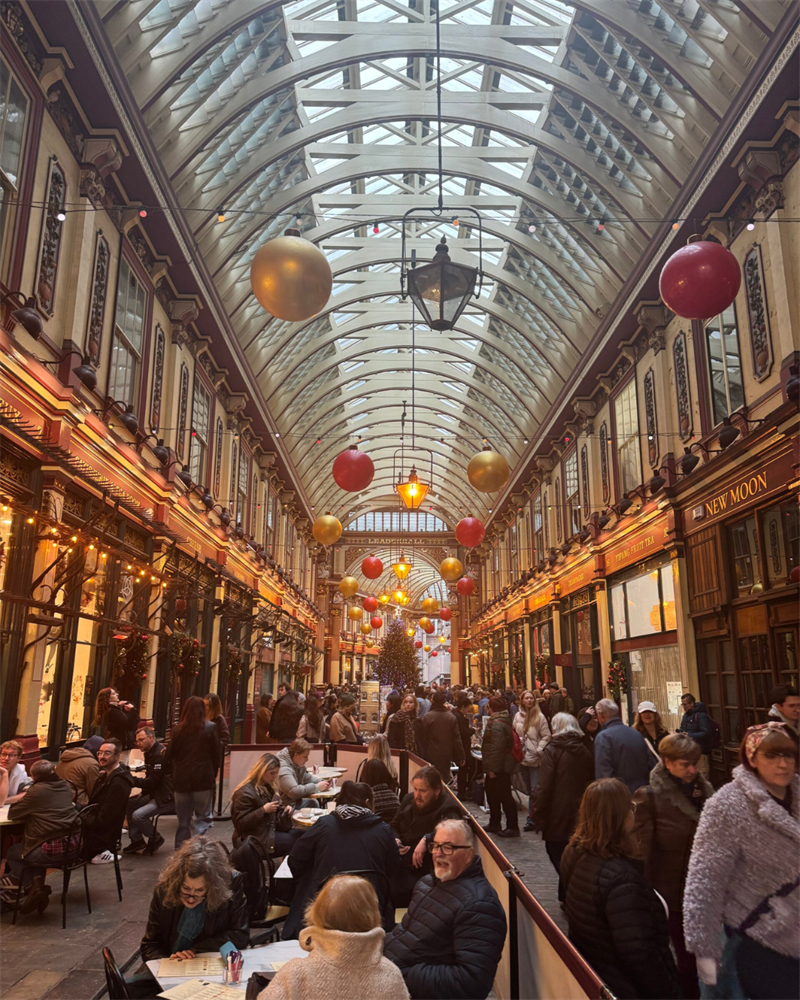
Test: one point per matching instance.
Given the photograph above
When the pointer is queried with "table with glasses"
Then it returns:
(255, 960)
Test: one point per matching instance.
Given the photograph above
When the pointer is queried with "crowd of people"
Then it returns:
(670, 887)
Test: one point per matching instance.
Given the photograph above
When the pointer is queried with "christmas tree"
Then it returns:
(398, 662)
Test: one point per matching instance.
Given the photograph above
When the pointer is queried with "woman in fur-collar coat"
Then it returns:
(741, 903)
(667, 813)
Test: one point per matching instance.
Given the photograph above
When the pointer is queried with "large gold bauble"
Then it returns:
(424, 622)
(355, 614)
(348, 586)
(427, 648)
(442, 638)
(366, 628)
(431, 605)
(291, 278)
(327, 529)
(488, 471)
(451, 569)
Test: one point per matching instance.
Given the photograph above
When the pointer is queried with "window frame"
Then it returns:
(571, 509)
(241, 495)
(706, 324)
(201, 384)
(141, 378)
(537, 507)
(625, 387)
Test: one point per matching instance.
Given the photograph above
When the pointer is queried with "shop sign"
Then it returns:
(578, 578)
(539, 600)
(745, 491)
(516, 612)
(637, 548)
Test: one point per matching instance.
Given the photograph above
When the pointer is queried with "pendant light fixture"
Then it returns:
(402, 567)
(411, 490)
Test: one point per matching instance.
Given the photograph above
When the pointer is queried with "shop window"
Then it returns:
(572, 499)
(538, 528)
(201, 416)
(13, 116)
(724, 364)
(126, 346)
(780, 529)
(626, 419)
(786, 650)
(241, 487)
(512, 552)
(756, 676)
(643, 604)
(744, 552)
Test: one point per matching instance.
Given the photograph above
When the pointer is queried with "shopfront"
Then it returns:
(540, 624)
(580, 638)
(743, 564)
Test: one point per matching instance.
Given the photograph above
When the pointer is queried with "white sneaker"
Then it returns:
(106, 858)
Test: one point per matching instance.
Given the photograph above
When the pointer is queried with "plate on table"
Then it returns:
(309, 812)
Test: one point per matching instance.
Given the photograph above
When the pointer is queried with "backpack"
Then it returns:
(246, 858)
(517, 751)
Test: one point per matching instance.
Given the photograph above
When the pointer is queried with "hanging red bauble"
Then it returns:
(466, 586)
(180, 605)
(700, 280)
(370, 604)
(435, 652)
(428, 629)
(470, 532)
(445, 614)
(353, 470)
(376, 622)
(418, 644)
(372, 567)
(794, 576)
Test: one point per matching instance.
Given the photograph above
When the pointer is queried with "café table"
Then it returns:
(255, 960)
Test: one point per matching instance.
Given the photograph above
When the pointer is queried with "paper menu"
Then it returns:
(198, 989)
(210, 965)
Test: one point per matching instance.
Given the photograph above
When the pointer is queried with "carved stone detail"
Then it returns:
(234, 470)
(182, 313)
(586, 504)
(97, 301)
(17, 25)
(760, 338)
(651, 417)
(51, 239)
(682, 391)
(183, 404)
(158, 379)
(219, 434)
(234, 407)
(604, 471)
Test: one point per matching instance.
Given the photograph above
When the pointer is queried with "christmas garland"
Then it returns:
(131, 656)
(541, 664)
(617, 680)
(235, 664)
(185, 654)
(518, 670)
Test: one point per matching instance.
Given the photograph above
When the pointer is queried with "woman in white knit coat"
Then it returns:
(531, 726)
(344, 939)
(741, 904)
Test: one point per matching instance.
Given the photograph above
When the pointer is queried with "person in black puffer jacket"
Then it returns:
(194, 755)
(450, 941)
(565, 772)
(616, 919)
(498, 766)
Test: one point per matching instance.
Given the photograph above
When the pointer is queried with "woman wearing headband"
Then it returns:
(741, 904)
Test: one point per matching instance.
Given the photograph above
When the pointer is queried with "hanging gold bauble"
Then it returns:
(430, 605)
(348, 586)
(442, 638)
(355, 614)
(366, 628)
(291, 277)
(488, 471)
(451, 569)
(327, 529)
(427, 648)
(424, 622)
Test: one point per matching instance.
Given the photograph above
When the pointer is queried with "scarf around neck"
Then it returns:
(410, 739)
(351, 812)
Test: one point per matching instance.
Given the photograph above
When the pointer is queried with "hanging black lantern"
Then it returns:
(441, 289)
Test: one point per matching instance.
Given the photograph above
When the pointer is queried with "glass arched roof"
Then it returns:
(569, 126)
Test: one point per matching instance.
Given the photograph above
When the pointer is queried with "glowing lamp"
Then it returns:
(384, 598)
(412, 492)
(442, 638)
(402, 567)
(410, 632)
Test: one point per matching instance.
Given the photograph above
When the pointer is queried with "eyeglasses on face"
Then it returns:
(446, 849)
(193, 893)
(8, 754)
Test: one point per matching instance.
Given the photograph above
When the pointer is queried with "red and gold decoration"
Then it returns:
(428, 629)
(424, 622)
(348, 586)
(327, 529)
(291, 277)
(451, 569)
(402, 567)
(435, 652)
(353, 470)
(130, 662)
(617, 681)
(418, 644)
(185, 654)
(430, 605)
(376, 622)
(372, 567)
(370, 605)
(470, 532)
(445, 614)
(701, 280)
(412, 492)
(466, 586)
(426, 648)
(355, 614)
(488, 471)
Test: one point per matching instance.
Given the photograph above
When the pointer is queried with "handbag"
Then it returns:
(255, 984)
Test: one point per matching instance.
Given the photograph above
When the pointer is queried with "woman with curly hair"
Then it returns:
(114, 717)
(198, 905)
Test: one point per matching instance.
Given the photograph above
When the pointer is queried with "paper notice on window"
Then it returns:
(199, 989)
(674, 692)
(208, 965)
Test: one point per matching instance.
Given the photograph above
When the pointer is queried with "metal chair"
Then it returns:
(69, 863)
(116, 986)
(276, 914)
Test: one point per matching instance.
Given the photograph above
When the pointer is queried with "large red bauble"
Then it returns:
(353, 470)
(376, 622)
(370, 604)
(418, 644)
(372, 567)
(428, 629)
(700, 280)
(435, 652)
(794, 576)
(470, 532)
(466, 586)
(445, 614)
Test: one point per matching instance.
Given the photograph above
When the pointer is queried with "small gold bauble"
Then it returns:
(442, 638)
(451, 569)
(427, 648)
(327, 529)
(355, 614)
(488, 471)
(431, 605)
(348, 586)
(366, 628)
(424, 622)
(291, 278)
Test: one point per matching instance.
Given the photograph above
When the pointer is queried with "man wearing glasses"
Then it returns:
(450, 941)
(10, 764)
